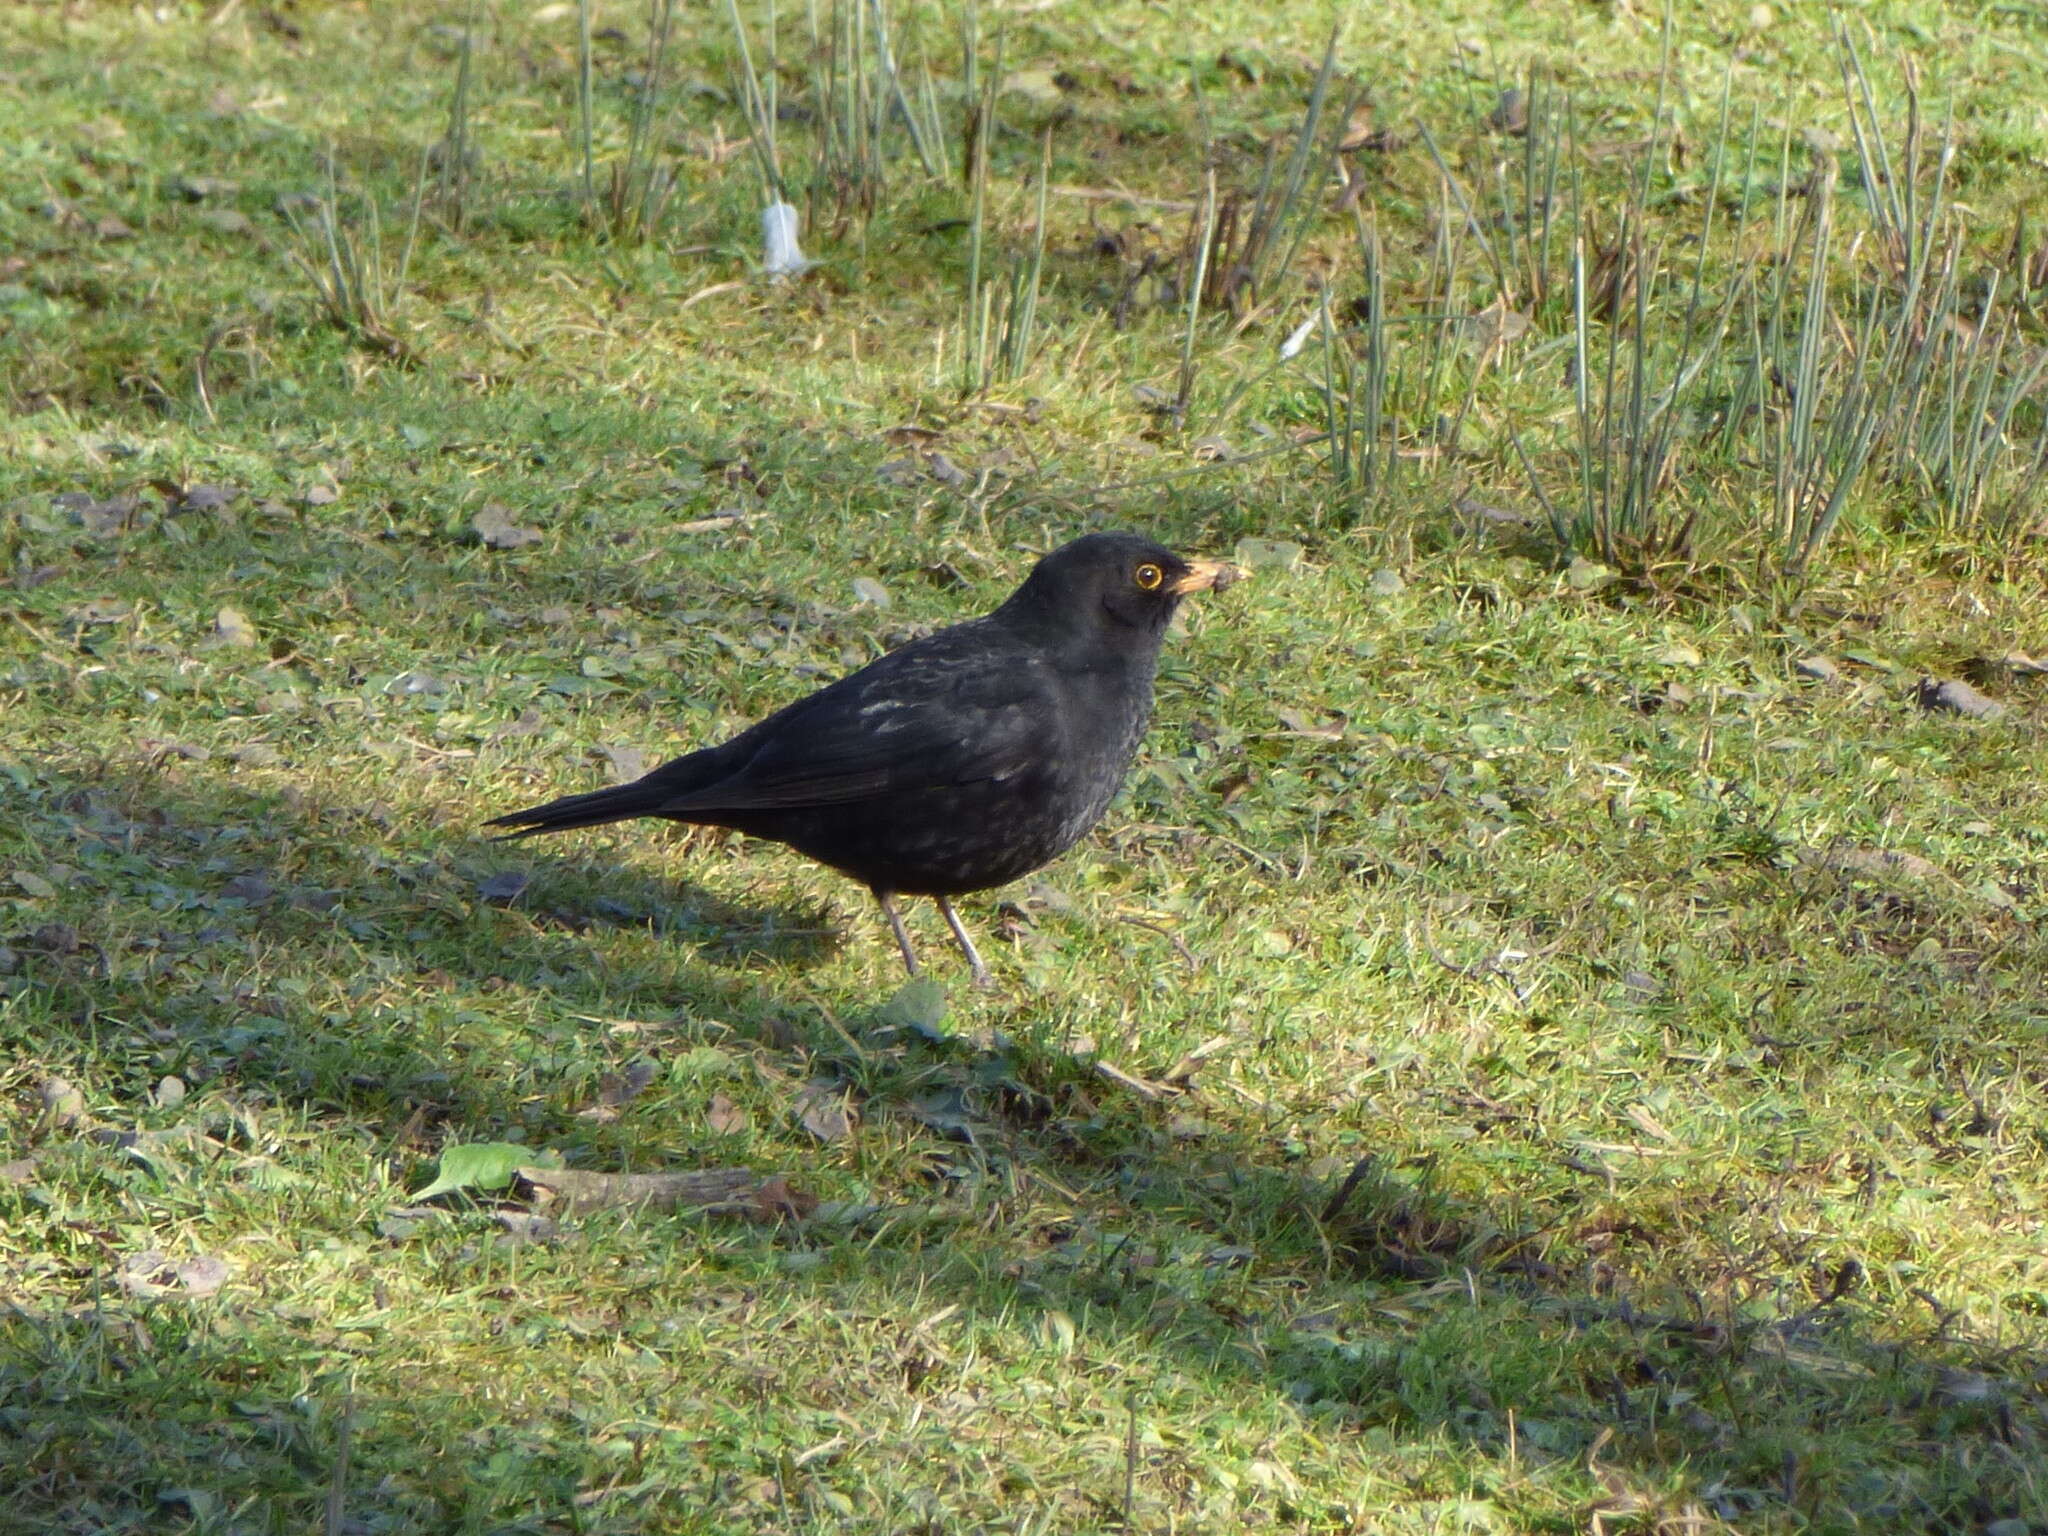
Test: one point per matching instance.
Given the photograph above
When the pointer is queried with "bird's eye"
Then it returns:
(1148, 577)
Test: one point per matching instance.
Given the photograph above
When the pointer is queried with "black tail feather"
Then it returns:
(598, 808)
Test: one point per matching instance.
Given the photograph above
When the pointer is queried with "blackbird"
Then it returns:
(960, 761)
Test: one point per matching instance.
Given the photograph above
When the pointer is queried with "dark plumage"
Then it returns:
(961, 761)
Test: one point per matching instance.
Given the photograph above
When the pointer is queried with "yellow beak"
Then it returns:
(1205, 576)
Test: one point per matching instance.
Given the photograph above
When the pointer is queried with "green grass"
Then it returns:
(1703, 1153)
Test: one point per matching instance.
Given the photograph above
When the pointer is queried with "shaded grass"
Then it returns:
(1705, 1177)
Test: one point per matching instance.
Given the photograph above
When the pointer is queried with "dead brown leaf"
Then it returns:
(205, 498)
(616, 1089)
(823, 1110)
(153, 1273)
(1142, 1087)
(528, 724)
(627, 763)
(496, 529)
(1358, 130)
(725, 1117)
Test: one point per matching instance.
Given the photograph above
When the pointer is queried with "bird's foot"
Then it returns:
(983, 982)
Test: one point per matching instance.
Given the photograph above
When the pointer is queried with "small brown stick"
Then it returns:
(713, 1191)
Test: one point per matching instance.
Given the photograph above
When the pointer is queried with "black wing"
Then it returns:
(943, 711)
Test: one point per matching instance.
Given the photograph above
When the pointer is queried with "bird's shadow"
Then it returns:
(577, 890)
(196, 878)
(216, 901)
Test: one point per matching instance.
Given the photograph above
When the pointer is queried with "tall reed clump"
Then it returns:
(1897, 371)
(629, 201)
(338, 247)
(1242, 242)
(867, 110)
(873, 123)
(1251, 237)
(999, 322)
(1000, 332)
(1733, 406)
(865, 124)
(1965, 382)
(452, 159)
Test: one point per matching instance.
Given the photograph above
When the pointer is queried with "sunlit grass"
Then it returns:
(1698, 1151)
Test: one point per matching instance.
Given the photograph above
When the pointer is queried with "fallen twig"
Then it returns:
(712, 1191)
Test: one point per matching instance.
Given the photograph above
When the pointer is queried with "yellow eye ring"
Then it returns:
(1149, 577)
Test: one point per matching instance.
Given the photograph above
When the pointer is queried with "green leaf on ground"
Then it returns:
(484, 1165)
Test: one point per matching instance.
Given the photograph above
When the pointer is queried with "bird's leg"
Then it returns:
(888, 901)
(982, 979)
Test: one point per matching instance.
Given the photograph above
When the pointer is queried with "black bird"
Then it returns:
(960, 761)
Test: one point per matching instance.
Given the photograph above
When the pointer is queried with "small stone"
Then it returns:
(198, 189)
(234, 628)
(1956, 698)
(202, 1276)
(226, 221)
(1387, 582)
(1281, 555)
(63, 1104)
(206, 498)
(1584, 575)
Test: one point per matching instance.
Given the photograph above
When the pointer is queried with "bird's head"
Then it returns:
(1107, 584)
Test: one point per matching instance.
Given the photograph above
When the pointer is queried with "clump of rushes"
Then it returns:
(342, 256)
(453, 157)
(630, 204)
